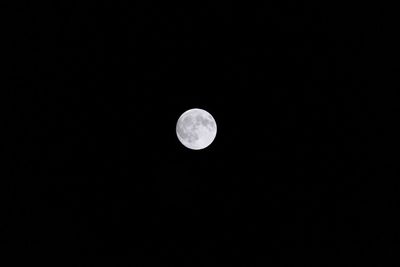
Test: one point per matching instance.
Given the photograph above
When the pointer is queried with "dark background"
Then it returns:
(99, 177)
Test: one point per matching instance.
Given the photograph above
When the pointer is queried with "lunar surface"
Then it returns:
(196, 129)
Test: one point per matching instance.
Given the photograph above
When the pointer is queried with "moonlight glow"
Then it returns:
(196, 129)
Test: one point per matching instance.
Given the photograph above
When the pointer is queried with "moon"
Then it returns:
(196, 129)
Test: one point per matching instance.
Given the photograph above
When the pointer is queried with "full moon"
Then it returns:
(196, 129)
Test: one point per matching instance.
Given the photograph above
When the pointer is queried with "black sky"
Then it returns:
(97, 89)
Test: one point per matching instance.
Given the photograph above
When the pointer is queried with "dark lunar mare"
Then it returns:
(182, 130)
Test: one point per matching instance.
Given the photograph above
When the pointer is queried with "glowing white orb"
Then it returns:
(196, 129)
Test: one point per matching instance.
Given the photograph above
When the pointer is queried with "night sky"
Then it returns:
(99, 177)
